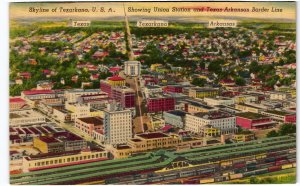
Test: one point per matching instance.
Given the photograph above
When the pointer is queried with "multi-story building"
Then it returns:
(16, 103)
(157, 122)
(173, 88)
(111, 82)
(48, 161)
(124, 95)
(117, 124)
(194, 106)
(59, 142)
(203, 92)
(245, 98)
(280, 96)
(243, 137)
(175, 118)
(91, 98)
(281, 116)
(160, 103)
(89, 124)
(225, 122)
(218, 101)
(73, 95)
(145, 142)
(248, 108)
(62, 115)
(78, 110)
(152, 89)
(116, 81)
(106, 87)
(132, 68)
(157, 140)
(252, 120)
(48, 144)
(40, 94)
(25, 117)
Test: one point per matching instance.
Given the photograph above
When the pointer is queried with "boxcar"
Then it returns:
(207, 180)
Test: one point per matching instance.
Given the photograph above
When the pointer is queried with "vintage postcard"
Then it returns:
(152, 93)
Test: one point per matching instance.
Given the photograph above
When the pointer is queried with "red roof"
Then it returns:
(46, 71)
(25, 73)
(167, 127)
(116, 78)
(227, 81)
(95, 75)
(32, 92)
(114, 69)
(16, 100)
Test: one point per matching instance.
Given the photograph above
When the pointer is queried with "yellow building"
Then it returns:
(211, 132)
(48, 144)
(145, 142)
(243, 137)
(154, 66)
(97, 113)
(203, 92)
(194, 107)
(116, 81)
(156, 140)
(47, 161)
(247, 108)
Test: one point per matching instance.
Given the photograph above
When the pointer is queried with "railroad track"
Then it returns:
(152, 162)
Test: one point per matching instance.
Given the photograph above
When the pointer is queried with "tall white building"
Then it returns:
(225, 122)
(117, 125)
(132, 68)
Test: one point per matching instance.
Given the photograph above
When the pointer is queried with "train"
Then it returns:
(248, 158)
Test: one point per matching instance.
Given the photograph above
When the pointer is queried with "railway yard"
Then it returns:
(200, 165)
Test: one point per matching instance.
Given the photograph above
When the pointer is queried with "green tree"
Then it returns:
(199, 82)
(202, 65)
(239, 81)
(272, 133)
(287, 128)
(253, 67)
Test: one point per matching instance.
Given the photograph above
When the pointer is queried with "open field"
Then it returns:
(287, 176)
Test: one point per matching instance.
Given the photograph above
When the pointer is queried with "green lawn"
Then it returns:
(287, 176)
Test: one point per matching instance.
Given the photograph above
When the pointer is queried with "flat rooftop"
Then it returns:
(213, 115)
(153, 135)
(136, 140)
(83, 90)
(247, 105)
(198, 104)
(204, 89)
(58, 154)
(177, 113)
(92, 120)
(24, 114)
(60, 137)
(122, 147)
(251, 115)
(277, 112)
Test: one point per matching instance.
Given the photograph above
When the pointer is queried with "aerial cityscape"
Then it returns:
(124, 97)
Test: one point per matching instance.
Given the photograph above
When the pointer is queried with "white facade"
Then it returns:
(73, 95)
(117, 125)
(61, 115)
(195, 123)
(218, 101)
(148, 90)
(78, 110)
(25, 117)
(244, 99)
(132, 68)
(279, 96)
